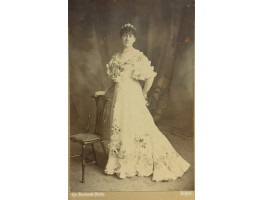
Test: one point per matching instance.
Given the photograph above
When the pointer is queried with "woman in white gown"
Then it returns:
(137, 147)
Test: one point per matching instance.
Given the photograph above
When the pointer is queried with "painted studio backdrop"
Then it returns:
(165, 34)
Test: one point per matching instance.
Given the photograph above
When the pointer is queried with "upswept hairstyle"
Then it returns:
(128, 29)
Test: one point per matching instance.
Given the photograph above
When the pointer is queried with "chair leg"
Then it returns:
(94, 153)
(104, 149)
(83, 163)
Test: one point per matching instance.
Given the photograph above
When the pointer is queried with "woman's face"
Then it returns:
(128, 39)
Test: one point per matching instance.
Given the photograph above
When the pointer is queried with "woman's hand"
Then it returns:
(144, 95)
(145, 98)
(104, 92)
(100, 93)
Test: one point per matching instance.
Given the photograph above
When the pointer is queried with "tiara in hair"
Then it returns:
(128, 25)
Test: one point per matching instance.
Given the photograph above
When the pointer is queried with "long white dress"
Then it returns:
(137, 147)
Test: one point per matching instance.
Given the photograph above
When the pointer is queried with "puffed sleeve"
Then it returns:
(142, 69)
(113, 69)
(109, 66)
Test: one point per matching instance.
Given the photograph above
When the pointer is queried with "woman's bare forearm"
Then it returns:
(147, 85)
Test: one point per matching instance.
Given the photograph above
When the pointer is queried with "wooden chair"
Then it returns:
(91, 138)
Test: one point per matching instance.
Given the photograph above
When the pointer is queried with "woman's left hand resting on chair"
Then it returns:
(104, 92)
(100, 93)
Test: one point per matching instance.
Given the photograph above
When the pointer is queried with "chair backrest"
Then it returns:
(101, 105)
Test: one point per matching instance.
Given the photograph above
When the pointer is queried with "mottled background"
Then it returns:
(165, 33)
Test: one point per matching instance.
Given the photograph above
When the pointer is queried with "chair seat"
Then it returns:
(85, 137)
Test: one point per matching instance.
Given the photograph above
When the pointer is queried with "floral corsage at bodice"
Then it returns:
(136, 63)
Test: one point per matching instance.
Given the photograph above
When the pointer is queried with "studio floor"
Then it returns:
(96, 180)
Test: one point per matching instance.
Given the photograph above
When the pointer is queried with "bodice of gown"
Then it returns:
(130, 66)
